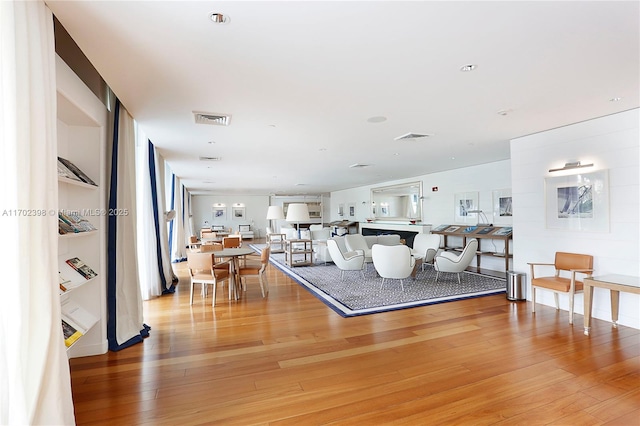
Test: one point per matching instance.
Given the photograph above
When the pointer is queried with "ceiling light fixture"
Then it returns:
(571, 165)
(412, 136)
(358, 166)
(219, 18)
(615, 99)
(468, 67)
(210, 158)
(377, 119)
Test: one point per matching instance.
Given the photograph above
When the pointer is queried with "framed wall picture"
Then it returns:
(352, 210)
(502, 207)
(219, 212)
(578, 202)
(238, 212)
(464, 202)
(340, 210)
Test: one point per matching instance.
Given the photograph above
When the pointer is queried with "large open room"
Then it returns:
(327, 212)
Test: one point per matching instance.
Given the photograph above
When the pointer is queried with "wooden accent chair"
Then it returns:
(202, 271)
(572, 263)
(253, 270)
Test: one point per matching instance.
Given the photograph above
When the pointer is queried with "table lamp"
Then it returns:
(298, 212)
(481, 215)
(274, 213)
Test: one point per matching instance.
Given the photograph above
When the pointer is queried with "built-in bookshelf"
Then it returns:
(81, 136)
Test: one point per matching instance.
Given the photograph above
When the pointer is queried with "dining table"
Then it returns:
(234, 254)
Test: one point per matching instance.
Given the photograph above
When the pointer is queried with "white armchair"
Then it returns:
(451, 262)
(425, 247)
(357, 242)
(345, 260)
(393, 262)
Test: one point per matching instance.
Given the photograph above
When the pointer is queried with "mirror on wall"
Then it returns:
(397, 202)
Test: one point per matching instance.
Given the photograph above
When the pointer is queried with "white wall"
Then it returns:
(611, 143)
(439, 206)
(255, 211)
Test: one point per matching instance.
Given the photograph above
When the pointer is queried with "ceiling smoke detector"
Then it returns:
(411, 136)
(212, 118)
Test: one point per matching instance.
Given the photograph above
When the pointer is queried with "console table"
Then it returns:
(615, 284)
(479, 232)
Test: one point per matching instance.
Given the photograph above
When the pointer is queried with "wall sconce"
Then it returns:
(570, 166)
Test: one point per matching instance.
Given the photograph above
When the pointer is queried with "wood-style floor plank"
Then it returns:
(289, 359)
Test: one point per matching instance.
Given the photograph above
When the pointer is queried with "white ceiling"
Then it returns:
(301, 79)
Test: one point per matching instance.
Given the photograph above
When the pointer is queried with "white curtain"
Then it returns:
(35, 385)
(125, 323)
(180, 222)
(154, 261)
(150, 283)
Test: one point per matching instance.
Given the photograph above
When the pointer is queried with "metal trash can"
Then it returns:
(516, 289)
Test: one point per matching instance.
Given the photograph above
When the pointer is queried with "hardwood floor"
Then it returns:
(289, 359)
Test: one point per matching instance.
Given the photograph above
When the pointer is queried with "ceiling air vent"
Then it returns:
(358, 166)
(411, 136)
(210, 158)
(212, 118)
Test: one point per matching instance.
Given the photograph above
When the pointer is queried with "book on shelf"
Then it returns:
(63, 281)
(485, 230)
(452, 229)
(64, 171)
(76, 171)
(504, 231)
(70, 332)
(81, 268)
(73, 222)
(77, 316)
(469, 229)
(440, 228)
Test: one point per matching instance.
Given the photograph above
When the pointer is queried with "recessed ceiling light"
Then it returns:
(616, 99)
(504, 112)
(468, 67)
(377, 119)
(210, 158)
(219, 18)
(358, 166)
(322, 149)
(211, 142)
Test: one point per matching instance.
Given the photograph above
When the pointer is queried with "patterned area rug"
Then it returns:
(355, 295)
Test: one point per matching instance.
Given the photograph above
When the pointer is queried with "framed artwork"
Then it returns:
(464, 202)
(219, 212)
(340, 209)
(578, 202)
(502, 207)
(238, 212)
(352, 210)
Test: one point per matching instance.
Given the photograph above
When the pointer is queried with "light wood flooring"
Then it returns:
(289, 359)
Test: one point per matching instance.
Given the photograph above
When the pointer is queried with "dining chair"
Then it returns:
(202, 271)
(567, 263)
(234, 241)
(260, 271)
